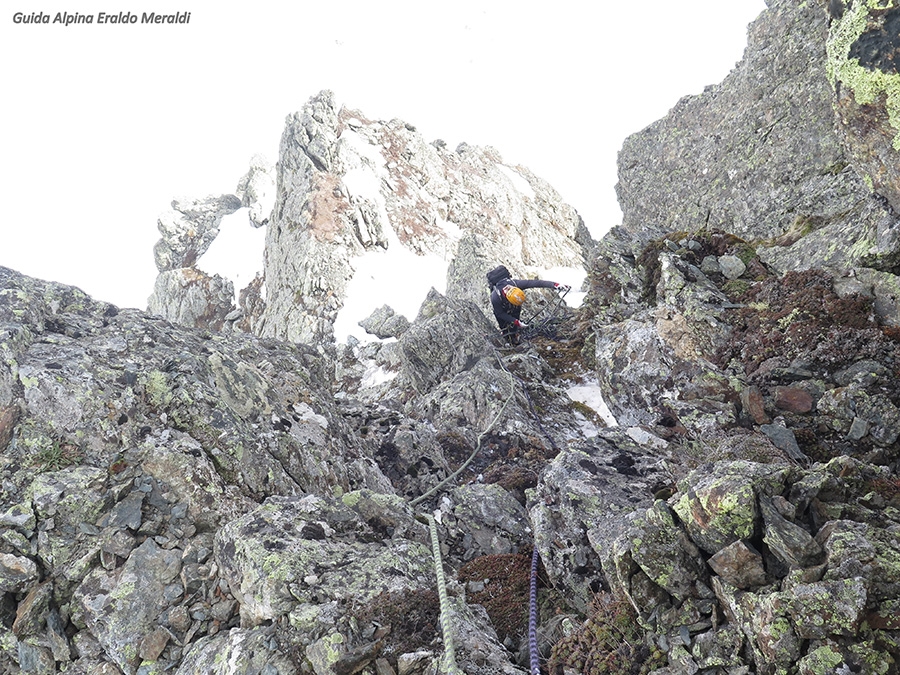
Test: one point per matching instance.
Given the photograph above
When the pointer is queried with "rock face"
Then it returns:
(349, 187)
(862, 68)
(209, 493)
(763, 155)
(169, 493)
(189, 228)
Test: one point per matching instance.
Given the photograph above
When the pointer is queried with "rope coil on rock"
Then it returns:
(535, 327)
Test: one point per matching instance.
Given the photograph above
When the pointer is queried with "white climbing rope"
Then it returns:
(448, 663)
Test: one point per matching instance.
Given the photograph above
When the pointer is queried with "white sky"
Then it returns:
(103, 125)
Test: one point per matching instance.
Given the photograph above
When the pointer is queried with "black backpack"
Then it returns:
(496, 275)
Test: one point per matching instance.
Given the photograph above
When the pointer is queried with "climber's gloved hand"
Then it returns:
(565, 288)
(520, 324)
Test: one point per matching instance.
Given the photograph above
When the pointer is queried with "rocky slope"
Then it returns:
(214, 489)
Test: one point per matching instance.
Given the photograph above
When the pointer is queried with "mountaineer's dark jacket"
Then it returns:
(506, 312)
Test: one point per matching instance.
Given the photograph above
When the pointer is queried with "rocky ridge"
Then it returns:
(179, 498)
(348, 188)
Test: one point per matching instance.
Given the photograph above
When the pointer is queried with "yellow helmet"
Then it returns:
(514, 295)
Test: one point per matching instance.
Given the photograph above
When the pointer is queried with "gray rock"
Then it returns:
(121, 608)
(490, 517)
(442, 343)
(256, 190)
(865, 372)
(660, 549)
(719, 508)
(245, 650)
(266, 555)
(385, 323)
(732, 266)
(413, 662)
(791, 543)
(770, 172)
(35, 659)
(21, 517)
(857, 75)
(885, 286)
(858, 429)
(191, 297)
(710, 265)
(31, 614)
(857, 401)
(783, 439)
(828, 608)
(578, 509)
(127, 513)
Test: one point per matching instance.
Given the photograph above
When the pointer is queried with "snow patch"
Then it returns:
(237, 251)
(591, 396)
(519, 183)
(572, 276)
(588, 429)
(375, 375)
(644, 437)
(396, 277)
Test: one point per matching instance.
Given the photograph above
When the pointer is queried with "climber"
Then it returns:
(507, 297)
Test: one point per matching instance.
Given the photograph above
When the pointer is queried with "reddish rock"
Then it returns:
(740, 565)
(153, 644)
(9, 416)
(752, 402)
(793, 400)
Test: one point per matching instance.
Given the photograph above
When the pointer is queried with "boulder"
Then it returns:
(243, 649)
(771, 172)
(578, 506)
(121, 608)
(739, 565)
(17, 573)
(720, 508)
(385, 323)
(294, 554)
(193, 298)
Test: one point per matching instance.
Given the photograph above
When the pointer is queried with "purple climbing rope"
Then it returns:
(533, 616)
